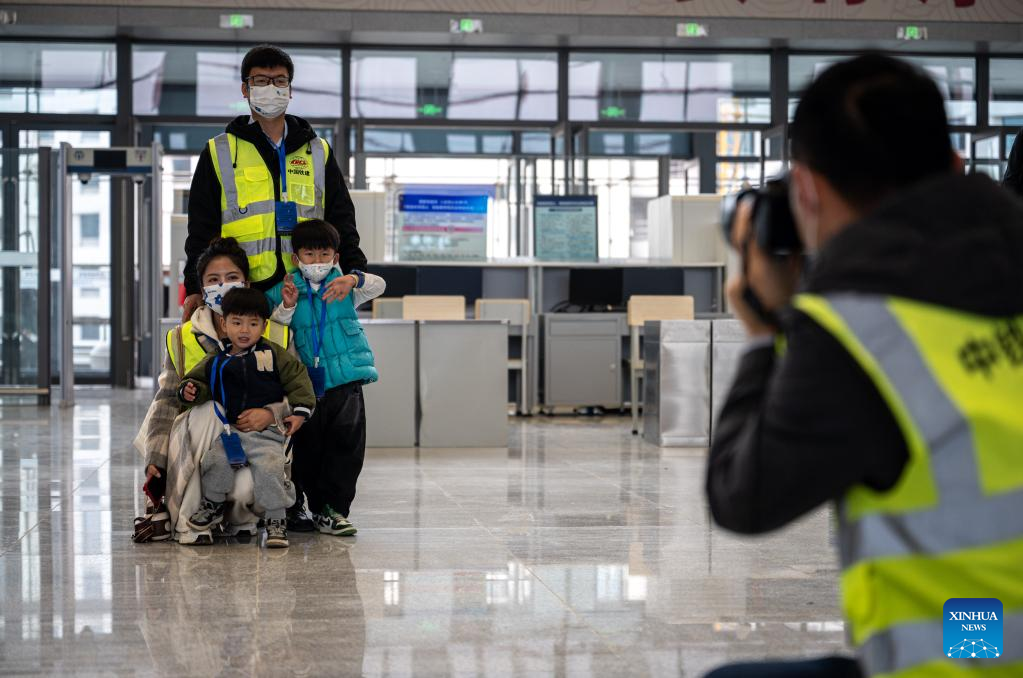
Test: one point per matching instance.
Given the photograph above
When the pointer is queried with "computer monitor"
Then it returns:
(595, 287)
(466, 281)
(400, 280)
(645, 280)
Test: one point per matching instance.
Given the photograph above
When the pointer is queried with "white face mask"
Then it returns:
(269, 101)
(315, 273)
(213, 295)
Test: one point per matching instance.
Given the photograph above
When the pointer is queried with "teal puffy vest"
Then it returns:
(345, 353)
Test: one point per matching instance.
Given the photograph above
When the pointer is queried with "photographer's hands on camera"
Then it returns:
(772, 279)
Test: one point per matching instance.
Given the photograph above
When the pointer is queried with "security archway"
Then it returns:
(139, 292)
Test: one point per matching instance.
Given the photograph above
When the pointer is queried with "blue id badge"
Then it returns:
(286, 216)
(233, 447)
(318, 375)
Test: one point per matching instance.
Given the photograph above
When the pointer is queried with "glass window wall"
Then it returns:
(657, 87)
(677, 144)
(443, 176)
(438, 141)
(1006, 107)
(455, 85)
(955, 76)
(91, 235)
(623, 187)
(58, 78)
(194, 80)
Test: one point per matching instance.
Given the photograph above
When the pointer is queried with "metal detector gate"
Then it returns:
(142, 301)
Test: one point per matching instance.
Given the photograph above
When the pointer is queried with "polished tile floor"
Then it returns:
(577, 551)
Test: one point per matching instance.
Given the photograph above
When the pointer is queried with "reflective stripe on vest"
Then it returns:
(248, 201)
(950, 527)
(194, 352)
(901, 648)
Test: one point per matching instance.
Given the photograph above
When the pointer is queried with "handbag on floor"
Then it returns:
(155, 524)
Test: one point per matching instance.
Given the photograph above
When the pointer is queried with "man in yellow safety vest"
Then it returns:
(263, 175)
(891, 384)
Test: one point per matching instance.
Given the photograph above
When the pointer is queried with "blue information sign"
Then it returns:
(441, 227)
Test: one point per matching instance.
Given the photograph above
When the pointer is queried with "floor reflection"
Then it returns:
(578, 551)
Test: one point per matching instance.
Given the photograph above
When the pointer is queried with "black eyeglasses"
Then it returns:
(264, 80)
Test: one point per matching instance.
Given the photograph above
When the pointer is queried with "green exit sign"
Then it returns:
(692, 30)
(613, 112)
(911, 33)
(237, 21)
(431, 110)
(466, 25)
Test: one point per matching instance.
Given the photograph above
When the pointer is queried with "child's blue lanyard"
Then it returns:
(318, 330)
(213, 387)
(284, 170)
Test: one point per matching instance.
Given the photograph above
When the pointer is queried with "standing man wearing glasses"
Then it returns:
(255, 182)
(264, 174)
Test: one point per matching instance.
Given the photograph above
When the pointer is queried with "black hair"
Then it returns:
(223, 247)
(315, 233)
(246, 301)
(871, 126)
(266, 56)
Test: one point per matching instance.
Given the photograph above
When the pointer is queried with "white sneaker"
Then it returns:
(332, 522)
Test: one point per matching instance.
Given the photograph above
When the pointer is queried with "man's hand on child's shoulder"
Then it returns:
(338, 288)
(289, 293)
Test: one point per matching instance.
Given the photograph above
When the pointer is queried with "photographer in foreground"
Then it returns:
(893, 383)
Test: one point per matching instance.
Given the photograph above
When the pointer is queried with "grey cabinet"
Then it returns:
(391, 401)
(583, 359)
(676, 358)
(690, 365)
(463, 383)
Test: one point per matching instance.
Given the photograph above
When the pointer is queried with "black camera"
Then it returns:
(773, 226)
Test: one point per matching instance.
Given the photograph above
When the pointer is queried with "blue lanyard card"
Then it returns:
(285, 211)
(231, 441)
(286, 216)
(318, 375)
(233, 447)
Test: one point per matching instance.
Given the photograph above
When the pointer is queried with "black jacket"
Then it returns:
(800, 430)
(204, 200)
(260, 376)
(1013, 179)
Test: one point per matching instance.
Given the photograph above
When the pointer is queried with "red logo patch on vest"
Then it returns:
(299, 162)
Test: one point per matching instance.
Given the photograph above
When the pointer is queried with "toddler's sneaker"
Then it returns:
(276, 534)
(210, 514)
(329, 521)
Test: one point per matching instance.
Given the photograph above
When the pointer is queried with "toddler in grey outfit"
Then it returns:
(242, 380)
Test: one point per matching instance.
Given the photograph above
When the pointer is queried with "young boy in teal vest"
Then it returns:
(331, 447)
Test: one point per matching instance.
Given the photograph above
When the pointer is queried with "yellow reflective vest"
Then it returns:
(952, 526)
(184, 348)
(248, 198)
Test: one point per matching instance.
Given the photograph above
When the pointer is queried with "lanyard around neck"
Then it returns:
(282, 157)
(215, 377)
(318, 330)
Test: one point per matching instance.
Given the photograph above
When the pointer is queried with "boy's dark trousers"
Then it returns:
(330, 449)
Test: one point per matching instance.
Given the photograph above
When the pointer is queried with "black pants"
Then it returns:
(330, 449)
